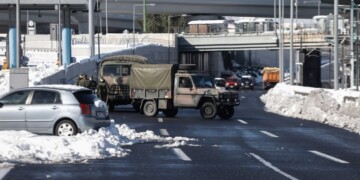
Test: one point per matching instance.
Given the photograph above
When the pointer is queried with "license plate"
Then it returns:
(100, 114)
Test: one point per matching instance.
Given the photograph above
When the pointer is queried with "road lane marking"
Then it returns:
(242, 121)
(164, 132)
(269, 134)
(328, 157)
(160, 120)
(268, 164)
(4, 171)
(181, 154)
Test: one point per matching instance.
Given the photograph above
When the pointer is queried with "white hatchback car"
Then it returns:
(63, 110)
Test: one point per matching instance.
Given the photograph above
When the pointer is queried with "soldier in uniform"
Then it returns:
(102, 89)
(85, 82)
(78, 79)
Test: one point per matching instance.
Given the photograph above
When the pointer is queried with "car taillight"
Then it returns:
(85, 108)
(227, 84)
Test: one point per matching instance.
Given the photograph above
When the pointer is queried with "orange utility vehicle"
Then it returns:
(271, 76)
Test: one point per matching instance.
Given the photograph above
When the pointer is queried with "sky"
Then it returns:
(335, 108)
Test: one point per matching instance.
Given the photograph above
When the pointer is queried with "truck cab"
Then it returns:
(197, 90)
(115, 70)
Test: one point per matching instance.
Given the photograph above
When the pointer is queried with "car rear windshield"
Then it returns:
(85, 97)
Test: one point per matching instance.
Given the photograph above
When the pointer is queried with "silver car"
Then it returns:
(62, 110)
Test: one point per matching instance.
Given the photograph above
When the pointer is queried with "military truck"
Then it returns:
(169, 87)
(115, 70)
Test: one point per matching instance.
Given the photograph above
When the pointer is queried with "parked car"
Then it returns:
(232, 83)
(62, 110)
(220, 83)
(247, 82)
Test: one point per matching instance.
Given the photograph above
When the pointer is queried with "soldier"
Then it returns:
(85, 82)
(92, 84)
(78, 79)
(101, 89)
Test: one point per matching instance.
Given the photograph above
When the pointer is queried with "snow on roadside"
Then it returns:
(26, 147)
(336, 108)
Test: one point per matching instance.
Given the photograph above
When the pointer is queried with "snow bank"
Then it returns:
(25, 147)
(336, 108)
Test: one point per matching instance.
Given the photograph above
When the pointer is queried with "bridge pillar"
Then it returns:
(12, 48)
(66, 37)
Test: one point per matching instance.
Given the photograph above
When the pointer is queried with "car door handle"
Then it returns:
(21, 108)
(55, 107)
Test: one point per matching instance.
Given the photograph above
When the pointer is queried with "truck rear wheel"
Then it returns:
(208, 110)
(170, 112)
(150, 109)
(226, 113)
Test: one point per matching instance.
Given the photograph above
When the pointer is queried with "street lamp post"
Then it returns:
(319, 2)
(133, 28)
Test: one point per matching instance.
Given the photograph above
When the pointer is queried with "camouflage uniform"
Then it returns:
(101, 90)
(85, 82)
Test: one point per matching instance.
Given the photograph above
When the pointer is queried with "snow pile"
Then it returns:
(25, 147)
(336, 108)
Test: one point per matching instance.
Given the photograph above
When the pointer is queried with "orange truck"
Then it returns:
(271, 76)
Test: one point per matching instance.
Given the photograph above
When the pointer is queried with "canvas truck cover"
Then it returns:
(124, 58)
(152, 76)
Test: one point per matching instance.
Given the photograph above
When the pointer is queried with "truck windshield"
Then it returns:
(116, 70)
(202, 81)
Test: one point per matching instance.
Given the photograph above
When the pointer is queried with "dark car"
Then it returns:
(232, 83)
(62, 110)
(247, 82)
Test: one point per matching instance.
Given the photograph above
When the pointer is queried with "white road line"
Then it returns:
(164, 132)
(269, 134)
(268, 164)
(160, 120)
(328, 157)
(242, 121)
(181, 154)
(3, 172)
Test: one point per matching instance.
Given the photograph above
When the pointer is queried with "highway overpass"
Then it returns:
(119, 12)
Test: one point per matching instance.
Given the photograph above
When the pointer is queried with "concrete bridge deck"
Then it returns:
(255, 41)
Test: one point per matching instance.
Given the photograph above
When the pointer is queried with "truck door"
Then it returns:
(184, 92)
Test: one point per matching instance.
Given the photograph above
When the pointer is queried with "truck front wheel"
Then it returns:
(170, 112)
(226, 113)
(150, 109)
(208, 110)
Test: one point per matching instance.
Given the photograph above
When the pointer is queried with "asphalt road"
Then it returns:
(254, 144)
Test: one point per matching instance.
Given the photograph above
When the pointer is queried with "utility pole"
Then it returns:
(292, 43)
(336, 60)
(144, 16)
(18, 34)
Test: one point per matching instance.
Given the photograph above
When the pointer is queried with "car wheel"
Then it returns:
(66, 128)
(170, 112)
(150, 108)
(226, 113)
(208, 110)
